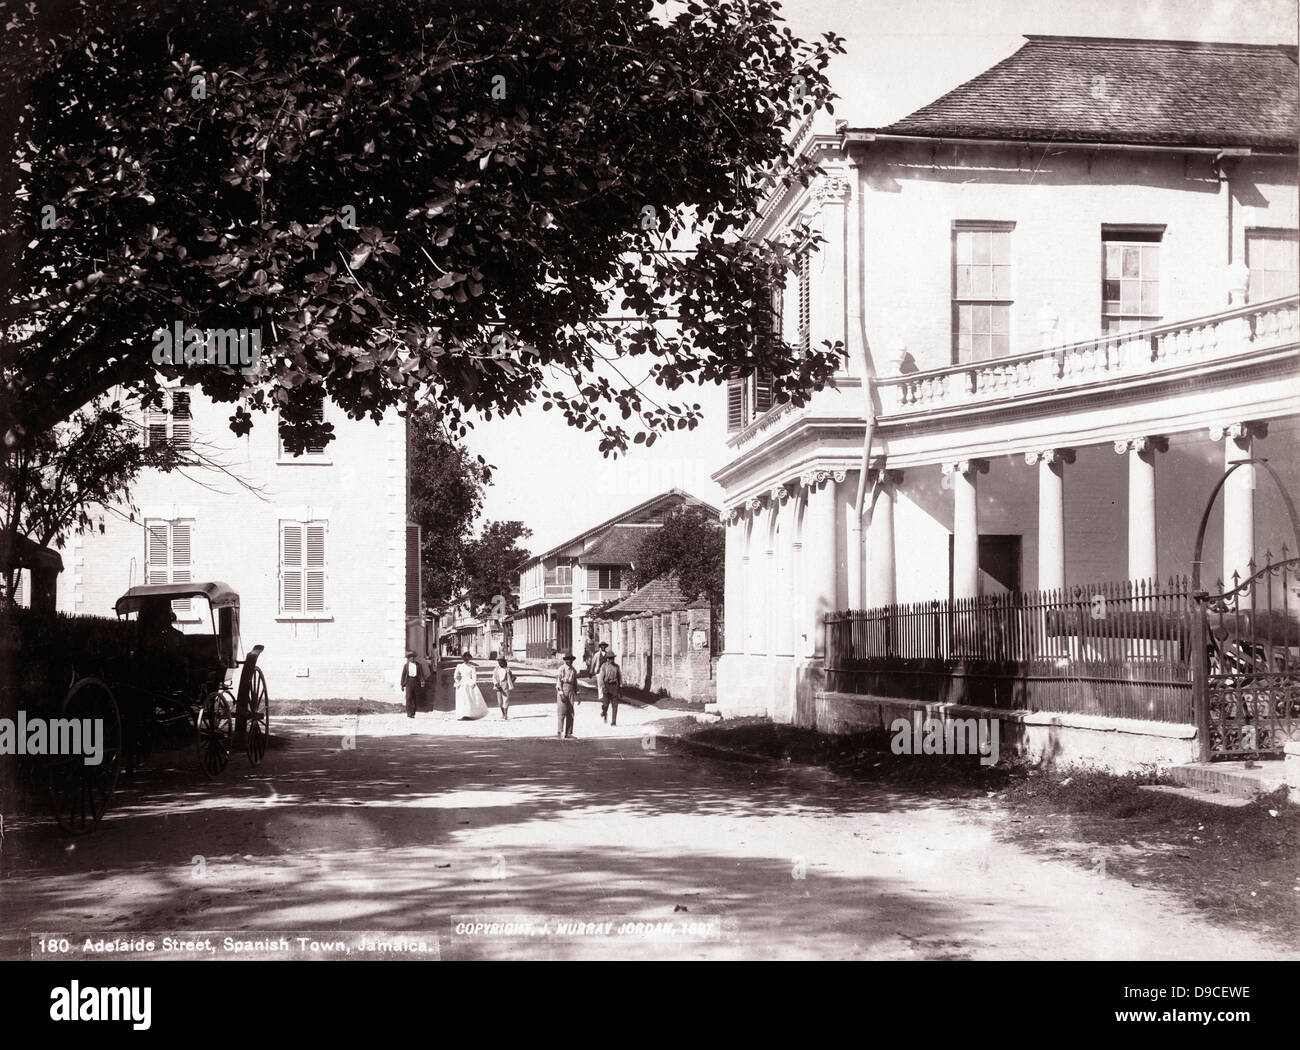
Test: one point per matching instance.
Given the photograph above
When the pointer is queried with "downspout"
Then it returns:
(857, 338)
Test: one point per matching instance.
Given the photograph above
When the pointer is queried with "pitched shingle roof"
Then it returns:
(659, 595)
(1097, 89)
(616, 546)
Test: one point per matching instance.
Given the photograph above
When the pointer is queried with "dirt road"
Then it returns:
(378, 823)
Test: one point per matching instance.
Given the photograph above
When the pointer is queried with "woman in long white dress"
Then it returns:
(469, 700)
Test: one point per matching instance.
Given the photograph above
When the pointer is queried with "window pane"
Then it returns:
(980, 285)
(1150, 297)
(963, 247)
(1151, 261)
(1132, 262)
(1001, 319)
(982, 347)
(1113, 261)
(982, 325)
(963, 281)
(1002, 247)
(981, 247)
(1001, 282)
(1001, 345)
(1110, 291)
(1128, 298)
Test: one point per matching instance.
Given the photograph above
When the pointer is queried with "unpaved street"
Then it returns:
(425, 823)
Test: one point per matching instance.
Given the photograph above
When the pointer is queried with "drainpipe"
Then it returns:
(856, 332)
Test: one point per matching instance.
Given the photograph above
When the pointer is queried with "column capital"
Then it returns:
(1050, 456)
(1239, 431)
(754, 505)
(965, 466)
(832, 187)
(810, 479)
(779, 494)
(1143, 443)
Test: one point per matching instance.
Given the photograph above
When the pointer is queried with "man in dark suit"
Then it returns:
(412, 682)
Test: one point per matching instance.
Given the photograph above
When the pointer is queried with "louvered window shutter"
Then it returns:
(155, 554)
(762, 392)
(182, 572)
(181, 419)
(735, 403)
(315, 568)
(291, 567)
(412, 570)
(318, 412)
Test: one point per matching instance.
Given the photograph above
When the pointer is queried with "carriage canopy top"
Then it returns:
(219, 595)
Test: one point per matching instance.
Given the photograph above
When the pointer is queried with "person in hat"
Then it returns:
(610, 681)
(598, 659)
(412, 682)
(566, 696)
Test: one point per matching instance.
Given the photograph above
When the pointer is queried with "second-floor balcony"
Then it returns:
(1238, 333)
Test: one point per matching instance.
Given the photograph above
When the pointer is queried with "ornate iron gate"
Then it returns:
(1246, 683)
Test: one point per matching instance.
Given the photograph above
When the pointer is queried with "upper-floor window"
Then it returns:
(172, 422)
(1130, 278)
(607, 577)
(303, 568)
(315, 450)
(981, 291)
(1274, 260)
(751, 396)
(169, 558)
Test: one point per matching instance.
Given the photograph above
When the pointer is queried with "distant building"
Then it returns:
(558, 588)
(318, 545)
(1068, 292)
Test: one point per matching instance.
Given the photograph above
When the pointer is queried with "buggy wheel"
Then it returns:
(80, 793)
(213, 731)
(258, 730)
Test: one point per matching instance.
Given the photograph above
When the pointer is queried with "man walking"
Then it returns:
(598, 659)
(412, 682)
(610, 678)
(566, 695)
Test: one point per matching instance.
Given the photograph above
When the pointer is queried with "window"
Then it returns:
(169, 558)
(805, 300)
(414, 607)
(170, 423)
(1130, 278)
(981, 282)
(564, 575)
(1274, 260)
(608, 577)
(302, 568)
(316, 450)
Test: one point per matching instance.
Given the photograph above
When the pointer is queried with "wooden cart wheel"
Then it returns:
(80, 793)
(258, 731)
(214, 731)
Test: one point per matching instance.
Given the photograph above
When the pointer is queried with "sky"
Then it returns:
(900, 55)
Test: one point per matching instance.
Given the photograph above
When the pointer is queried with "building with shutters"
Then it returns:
(318, 546)
(559, 588)
(1067, 290)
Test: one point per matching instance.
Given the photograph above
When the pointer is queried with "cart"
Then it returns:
(185, 677)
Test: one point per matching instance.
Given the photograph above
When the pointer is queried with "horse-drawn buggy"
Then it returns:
(184, 679)
(93, 694)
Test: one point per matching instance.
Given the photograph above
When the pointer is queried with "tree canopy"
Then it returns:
(492, 563)
(690, 544)
(444, 496)
(470, 205)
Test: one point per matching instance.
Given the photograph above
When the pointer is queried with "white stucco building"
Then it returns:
(317, 545)
(1068, 293)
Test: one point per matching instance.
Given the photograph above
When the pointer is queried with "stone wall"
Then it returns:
(668, 650)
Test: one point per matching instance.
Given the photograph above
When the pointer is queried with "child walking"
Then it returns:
(503, 681)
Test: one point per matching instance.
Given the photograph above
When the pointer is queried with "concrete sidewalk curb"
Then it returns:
(722, 751)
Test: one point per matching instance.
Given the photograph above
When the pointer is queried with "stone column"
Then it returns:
(881, 578)
(1051, 514)
(965, 525)
(820, 559)
(760, 576)
(733, 624)
(1238, 499)
(1141, 452)
(782, 594)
